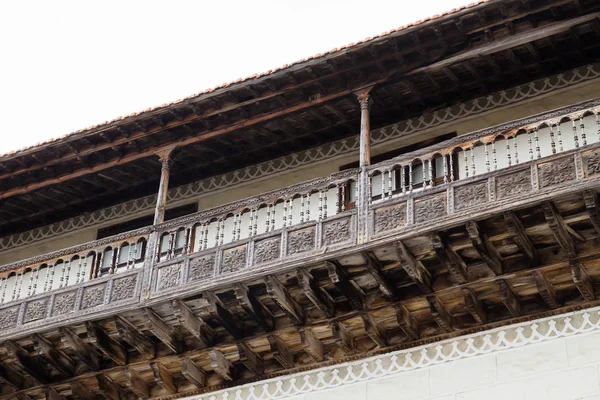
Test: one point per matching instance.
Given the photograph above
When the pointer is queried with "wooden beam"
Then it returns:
(135, 338)
(374, 330)
(163, 377)
(348, 287)
(10, 377)
(407, 324)
(518, 235)
(222, 366)
(317, 295)
(83, 351)
(593, 209)
(254, 308)
(109, 389)
(486, 251)
(284, 300)
(163, 331)
(415, 269)
(252, 361)
(375, 268)
(232, 324)
(449, 259)
(474, 306)
(51, 394)
(509, 298)
(440, 315)
(343, 337)
(136, 384)
(545, 289)
(81, 392)
(558, 227)
(194, 374)
(59, 360)
(281, 352)
(107, 345)
(29, 364)
(194, 324)
(312, 345)
(583, 281)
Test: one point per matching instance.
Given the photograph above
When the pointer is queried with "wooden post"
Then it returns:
(364, 193)
(161, 201)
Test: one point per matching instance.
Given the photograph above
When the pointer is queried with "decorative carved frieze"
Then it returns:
(267, 250)
(64, 303)
(513, 183)
(168, 277)
(556, 172)
(8, 317)
(93, 296)
(467, 196)
(301, 240)
(123, 288)
(592, 163)
(430, 207)
(233, 259)
(201, 268)
(336, 231)
(35, 310)
(388, 218)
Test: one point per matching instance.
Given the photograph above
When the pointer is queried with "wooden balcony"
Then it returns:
(485, 229)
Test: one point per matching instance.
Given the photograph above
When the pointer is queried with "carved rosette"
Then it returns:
(557, 172)
(336, 231)
(513, 184)
(35, 310)
(592, 163)
(429, 208)
(123, 288)
(8, 317)
(168, 277)
(64, 303)
(389, 218)
(301, 240)
(93, 296)
(201, 268)
(267, 250)
(467, 196)
(233, 259)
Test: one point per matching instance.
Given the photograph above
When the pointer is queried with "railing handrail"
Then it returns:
(468, 140)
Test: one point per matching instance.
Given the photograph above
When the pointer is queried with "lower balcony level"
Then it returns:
(495, 227)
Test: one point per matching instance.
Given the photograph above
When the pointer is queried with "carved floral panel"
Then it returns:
(557, 172)
(267, 250)
(8, 317)
(93, 296)
(389, 218)
(336, 231)
(64, 303)
(467, 196)
(301, 240)
(592, 163)
(429, 208)
(35, 310)
(168, 277)
(201, 268)
(513, 184)
(234, 259)
(123, 288)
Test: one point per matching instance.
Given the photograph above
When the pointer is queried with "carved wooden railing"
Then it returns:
(72, 266)
(264, 229)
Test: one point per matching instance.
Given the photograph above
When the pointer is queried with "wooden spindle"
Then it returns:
(494, 156)
(536, 138)
(466, 163)
(430, 171)
(597, 127)
(68, 274)
(301, 208)
(79, 271)
(308, 207)
(217, 232)
(445, 166)
(343, 196)
(14, 294)
(62, 274)
(206, 228)
(582, 130)
(268, 221)
(487, 157)
(35, 281)
(410, 178)
(3, 285)
(325, 204)
(51, 271)
(284, 219)
(403, 179)
(559, 135)
(273, 216)
(290, 215)
(530, 144)
(383, 185)
(390, 184)
(320, 205)
(508, 158)
(222, 236)
(516, 150)
(188, 240)
(234, 230)
(30, 284)
(255, 212)
(575, 137)
(552, 143)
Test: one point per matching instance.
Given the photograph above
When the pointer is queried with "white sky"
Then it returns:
(66, 65)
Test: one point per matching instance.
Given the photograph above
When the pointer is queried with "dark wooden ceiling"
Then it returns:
(474, 52)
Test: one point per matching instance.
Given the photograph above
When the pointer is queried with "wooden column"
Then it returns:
(161, 201)
(364, 193)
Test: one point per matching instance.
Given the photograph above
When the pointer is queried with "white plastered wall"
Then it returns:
(560, 98)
